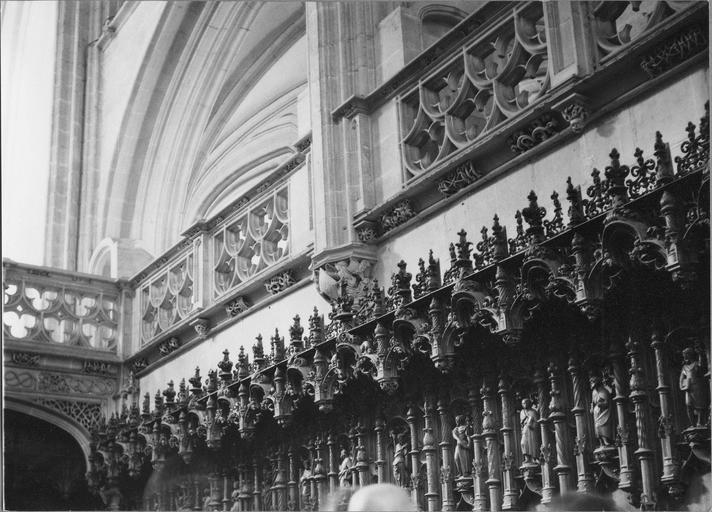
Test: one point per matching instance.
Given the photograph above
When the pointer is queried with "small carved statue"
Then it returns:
(206, 499)
(235, 496)
(462, 446)
(693, 385)
(345, 469)
(528, 418)
(305, 483)
(601, 410)
(400, 453)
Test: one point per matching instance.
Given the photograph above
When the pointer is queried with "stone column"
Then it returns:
(645, 455)
(198, 504)
(511, 492)
(322, 487)
(489, 432)
(431, 459)
(582, 446)
(215, 500)
(557, 415)
(548, 450)
(671, 463)
(280, 482)
(333, 474)
(354, 447)
(626, 475)
(256, 487)
(379, 427)
(245, 495)
(292, 484)
(446, 459)
(412, 420)
(362, 459)
(226, 501)
(478, 464)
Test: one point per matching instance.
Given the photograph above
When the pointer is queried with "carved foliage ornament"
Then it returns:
(280, 282)
(25, 359)
(400, 214)
(461, 177)
(675, 50)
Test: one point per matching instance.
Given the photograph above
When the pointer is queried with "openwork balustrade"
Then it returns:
(571, 355)
(254, 241)
(218, 258)
(49, 306)
(491, 79)
(169, 295)
(618, 24)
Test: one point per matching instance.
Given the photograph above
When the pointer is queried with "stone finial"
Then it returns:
(258, 351)
(296, 331)
(196, 382)
(225, 366)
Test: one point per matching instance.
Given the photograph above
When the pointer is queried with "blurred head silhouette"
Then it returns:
(381, 497)
(577, 502)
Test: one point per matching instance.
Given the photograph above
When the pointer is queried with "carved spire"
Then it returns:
(258, 353)
(664, 171)
(419, 286)
(242, 364)
(277, 347)
(296, 344)
(182, 399)
(573, 196)
(401, 284)
(196, 383)
(519, 242)
(556, 224)
(146, 407)
(464, 248)
(499, 240)
(225, 366)
(616, 175)
(379, 307)
(315, 328)
(212, 381)
(158, 405)
(170, 394)
(433, 273)
(533, 215)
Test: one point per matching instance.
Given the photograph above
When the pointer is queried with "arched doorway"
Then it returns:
(44, 467)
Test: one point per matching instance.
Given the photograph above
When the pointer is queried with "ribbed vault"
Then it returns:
(189, 140)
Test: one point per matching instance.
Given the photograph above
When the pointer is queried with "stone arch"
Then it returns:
(70, 426)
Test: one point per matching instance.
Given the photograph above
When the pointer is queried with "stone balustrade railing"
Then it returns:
(225, 263)
(46, 305)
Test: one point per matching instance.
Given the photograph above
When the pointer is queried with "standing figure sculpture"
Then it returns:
(400, 454)
(462, 446)
(305, 485)
(601, 410)
(528, 419)
(345, 469)
(693, 385)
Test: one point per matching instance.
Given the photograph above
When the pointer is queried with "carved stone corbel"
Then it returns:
(347, 268)
(575, 110)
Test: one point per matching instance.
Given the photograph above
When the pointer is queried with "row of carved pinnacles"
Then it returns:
(318, 367)
(189, 422)
(620, 183)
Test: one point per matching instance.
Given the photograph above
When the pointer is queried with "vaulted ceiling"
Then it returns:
(212, 107)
